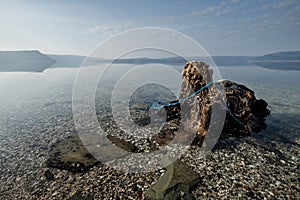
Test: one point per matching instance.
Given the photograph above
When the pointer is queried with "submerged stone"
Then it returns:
(178, 179)
(70, 154)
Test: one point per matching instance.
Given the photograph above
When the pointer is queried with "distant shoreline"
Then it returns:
(270, 61)
(35, 61)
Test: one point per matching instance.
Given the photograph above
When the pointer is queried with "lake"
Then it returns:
(24, 95)
(36, 111)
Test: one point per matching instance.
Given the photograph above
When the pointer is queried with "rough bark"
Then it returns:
(245, 114)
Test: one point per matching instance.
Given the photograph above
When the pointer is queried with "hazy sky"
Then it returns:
(233, 27)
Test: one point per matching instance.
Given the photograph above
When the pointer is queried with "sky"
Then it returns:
(233, 27)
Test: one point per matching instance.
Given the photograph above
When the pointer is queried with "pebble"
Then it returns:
(240, 169)
(282, 161)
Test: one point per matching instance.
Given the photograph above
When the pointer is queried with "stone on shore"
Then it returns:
(177, 182)
(70, 154)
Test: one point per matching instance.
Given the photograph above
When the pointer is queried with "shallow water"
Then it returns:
(25, 96)
(36, 112)
(281, 90)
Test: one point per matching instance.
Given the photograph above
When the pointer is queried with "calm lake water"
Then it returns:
(27, 98)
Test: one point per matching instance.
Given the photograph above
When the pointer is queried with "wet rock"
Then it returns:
(70, 154)
(177, 182)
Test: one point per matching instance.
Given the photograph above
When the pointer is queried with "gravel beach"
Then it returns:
(262, 166)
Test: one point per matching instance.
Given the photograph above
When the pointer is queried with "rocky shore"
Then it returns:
(246, 168)
(258, 166)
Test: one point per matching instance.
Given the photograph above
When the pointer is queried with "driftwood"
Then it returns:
(244, 113)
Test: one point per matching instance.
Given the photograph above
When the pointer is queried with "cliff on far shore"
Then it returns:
(26, 61)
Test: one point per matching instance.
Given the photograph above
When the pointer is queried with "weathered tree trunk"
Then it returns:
(244, 112)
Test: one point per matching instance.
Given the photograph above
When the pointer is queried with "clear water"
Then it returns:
(44, 99)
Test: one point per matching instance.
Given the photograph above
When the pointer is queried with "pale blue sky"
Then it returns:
(233, 27)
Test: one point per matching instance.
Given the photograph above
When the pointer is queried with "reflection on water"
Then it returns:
(24, 95)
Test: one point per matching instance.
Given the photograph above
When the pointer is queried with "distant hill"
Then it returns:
(35, 61)
(289, 60)
(29, 61)
(171, 60)
(219, 60)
